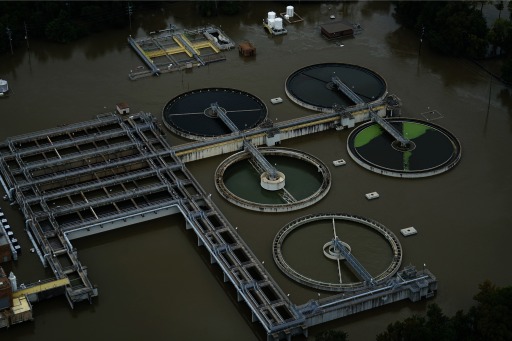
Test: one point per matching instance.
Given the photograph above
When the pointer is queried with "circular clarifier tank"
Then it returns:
(192, 114)
(431, 149)
(238, 180)
(337, 252)
(313, 87)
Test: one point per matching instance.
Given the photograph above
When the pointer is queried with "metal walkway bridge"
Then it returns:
(349, 257)
(260, 159)
(346, 90)
(390, 129)
(374, 116)
(222, 114)
(353, 262)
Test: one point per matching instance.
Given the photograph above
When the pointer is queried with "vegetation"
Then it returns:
(214, 8)
(453, 27)
(61, 21)
(458, 28)
(489, 319)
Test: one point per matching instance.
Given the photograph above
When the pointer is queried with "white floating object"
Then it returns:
(276, 100)
(339, 162)
(408, 231)
(372, 195)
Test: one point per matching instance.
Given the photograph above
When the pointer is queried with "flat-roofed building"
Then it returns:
(336, 30)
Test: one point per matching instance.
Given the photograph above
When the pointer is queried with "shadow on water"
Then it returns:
(428, 61)
(505, 97)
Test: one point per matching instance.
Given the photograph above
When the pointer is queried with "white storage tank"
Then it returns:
(289, 11)
(271, 15)
(271, 22)
(4, 87)
(278, 24)
(14, 283)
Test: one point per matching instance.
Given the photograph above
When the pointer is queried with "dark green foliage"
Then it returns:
(493, 313)
(453, 27)
(61, 29)
(213, 8)
(489, 319)
(62, 21)
(208, 8)
(230, 7)
(500, 34)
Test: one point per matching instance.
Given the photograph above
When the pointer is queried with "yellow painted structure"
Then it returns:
(182, 49)
(41, 287)
(21, 310)
(206, 44)
(172, 50)
(181, 45)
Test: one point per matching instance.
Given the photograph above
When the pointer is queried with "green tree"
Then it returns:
(489, 319)
(61, 29)
(452, 27)
(438, 324)
(500, 6)
(458, 30)
(493, 313)
(408, 12)
(462, 327)
(230, 7)
(498, 34)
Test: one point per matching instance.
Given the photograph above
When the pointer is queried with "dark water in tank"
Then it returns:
(432, 148)
(367, 246)
(313, 85)
(301, 180)
(188, 113)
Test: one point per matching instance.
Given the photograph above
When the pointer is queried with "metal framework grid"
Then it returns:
(72, 177)
(91, 177)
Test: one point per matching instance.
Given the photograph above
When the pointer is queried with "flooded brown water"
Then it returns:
(154, 282)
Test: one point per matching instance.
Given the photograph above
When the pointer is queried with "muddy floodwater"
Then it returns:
(155, 282)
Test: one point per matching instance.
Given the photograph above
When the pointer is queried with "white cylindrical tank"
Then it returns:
(286, 16)
(289, 11)
(12, 279)
(271, 15)
(271, 22)
(278, 24)
(4, 87)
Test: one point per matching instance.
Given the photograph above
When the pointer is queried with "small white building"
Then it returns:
(372, 195)
(409, 231)
(122, 108)
(339, 162)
